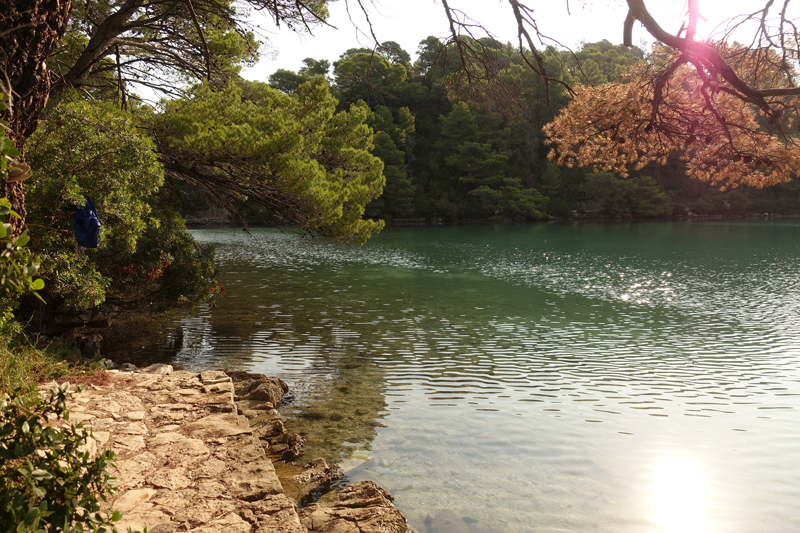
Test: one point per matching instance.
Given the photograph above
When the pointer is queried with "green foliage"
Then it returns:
(626, 198)
(292, 153)
(25, 362)
(286, 81)
(17, 265)
(94, 149)
(168, 266)
(512, 201)
(391, 136)
(601, 62)
(50, 482)
(367, 76)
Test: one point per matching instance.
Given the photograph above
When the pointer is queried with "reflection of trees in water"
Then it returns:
(339, 392)
(305, 323)
(340, 412)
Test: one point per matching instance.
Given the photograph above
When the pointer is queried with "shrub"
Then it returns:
(51, 483)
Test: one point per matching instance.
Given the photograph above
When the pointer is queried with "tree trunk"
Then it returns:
(29, 31)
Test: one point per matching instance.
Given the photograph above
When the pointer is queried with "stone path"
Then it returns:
(188, 462)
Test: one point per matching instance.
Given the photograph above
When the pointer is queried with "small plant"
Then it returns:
(17, 267)
(50, 482)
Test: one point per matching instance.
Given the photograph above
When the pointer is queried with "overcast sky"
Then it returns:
(410, 21)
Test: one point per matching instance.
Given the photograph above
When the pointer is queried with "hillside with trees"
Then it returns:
(466, 129)
(454, 152)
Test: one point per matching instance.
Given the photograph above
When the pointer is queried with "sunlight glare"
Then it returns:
(680, 496)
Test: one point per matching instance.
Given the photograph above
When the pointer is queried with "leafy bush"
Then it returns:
(50, 482)
(17, 266)
(144, 258)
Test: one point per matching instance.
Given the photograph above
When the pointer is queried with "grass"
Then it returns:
(26, 361)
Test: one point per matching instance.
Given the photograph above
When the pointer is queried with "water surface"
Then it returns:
(620, 378)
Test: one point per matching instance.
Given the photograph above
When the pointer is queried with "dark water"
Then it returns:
(621, 378)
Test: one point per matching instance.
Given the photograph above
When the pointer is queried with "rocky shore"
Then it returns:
(195, 453)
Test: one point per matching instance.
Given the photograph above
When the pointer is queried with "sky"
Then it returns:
(410, 21)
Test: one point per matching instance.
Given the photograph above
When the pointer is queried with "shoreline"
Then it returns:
(222, 222)
(197, 452)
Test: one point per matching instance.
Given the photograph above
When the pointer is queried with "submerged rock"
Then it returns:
(446, 521)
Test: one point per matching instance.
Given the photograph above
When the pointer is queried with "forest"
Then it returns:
(96, 180)
(454, 152)
(465, 130)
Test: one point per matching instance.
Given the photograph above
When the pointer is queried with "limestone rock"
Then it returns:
(220, 425)
(360, 508)
(131, 499)
(157, 368)
(311, 479)
(210, 377)
(253, 481)
(265, 429)
(230, 523)
(276, 514)
(258, 387)
(318, 471)
(187, 462)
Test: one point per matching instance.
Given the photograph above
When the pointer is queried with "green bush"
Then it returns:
(17, 266)
(50, 483)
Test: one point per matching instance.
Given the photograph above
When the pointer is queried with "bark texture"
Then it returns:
(29, 31)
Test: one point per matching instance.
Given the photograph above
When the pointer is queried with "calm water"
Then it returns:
(587, 378)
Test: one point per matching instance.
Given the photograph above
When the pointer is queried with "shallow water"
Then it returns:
(621, 377)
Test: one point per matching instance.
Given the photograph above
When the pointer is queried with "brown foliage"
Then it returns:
(724, 139)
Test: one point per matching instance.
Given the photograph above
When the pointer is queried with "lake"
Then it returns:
(528, 378)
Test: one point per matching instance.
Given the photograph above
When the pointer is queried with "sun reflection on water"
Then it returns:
(680, 496)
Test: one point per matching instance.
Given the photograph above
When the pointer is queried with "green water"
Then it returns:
(620, 378)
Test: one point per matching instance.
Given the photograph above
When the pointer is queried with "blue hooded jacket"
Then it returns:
(87, 225)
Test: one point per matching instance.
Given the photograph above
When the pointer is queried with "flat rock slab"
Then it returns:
(186, 461)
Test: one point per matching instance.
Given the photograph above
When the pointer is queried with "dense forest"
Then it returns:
(454, 134)
(465, 149)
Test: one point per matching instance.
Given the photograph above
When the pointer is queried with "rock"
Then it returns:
(258, 387)
(312, 481)
(446, 521)
(102, 322)
(230, 523)
(127, 367)
(131, 499)
(254, 405)
(266, 429)
(211, 469)
(154, 521)
(277, 514)
(167, 444)
(211, 377)
(288, 446)
(318, 471)
(360, 508)
(90, 346)
(220, 425)
(182, 465)
(157, 368)
(270, 390)
(253, 481)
